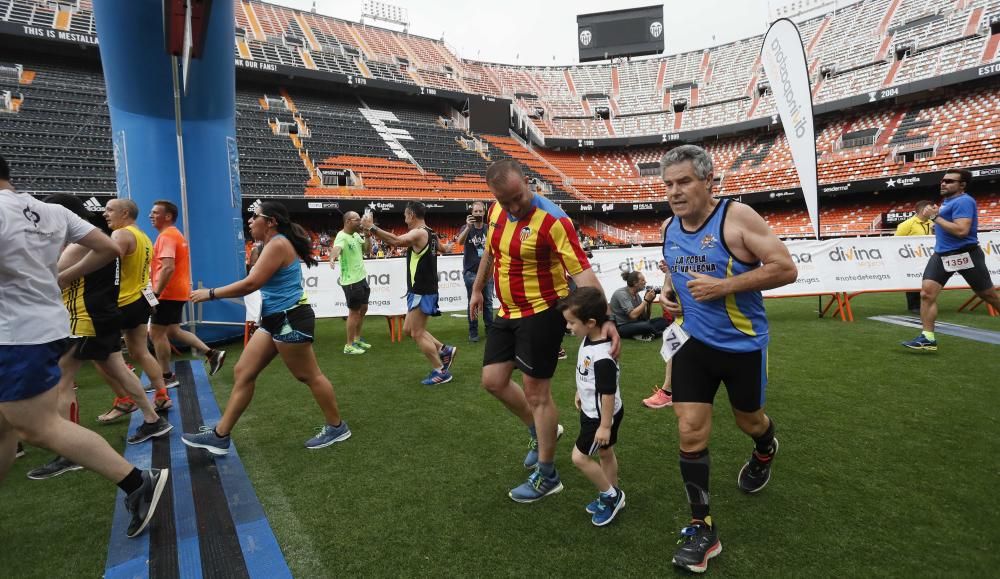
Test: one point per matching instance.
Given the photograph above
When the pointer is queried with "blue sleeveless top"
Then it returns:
(736, 323)
(284, 290)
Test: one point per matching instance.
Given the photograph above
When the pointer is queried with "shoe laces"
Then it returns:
(535, 479)
(532, 443)
(689, 534)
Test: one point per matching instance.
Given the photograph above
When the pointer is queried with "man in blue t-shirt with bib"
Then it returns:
(956, 250)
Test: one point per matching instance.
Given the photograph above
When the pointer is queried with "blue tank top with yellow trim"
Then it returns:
(736, 323)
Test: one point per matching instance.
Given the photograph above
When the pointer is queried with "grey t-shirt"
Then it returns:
(623, 302)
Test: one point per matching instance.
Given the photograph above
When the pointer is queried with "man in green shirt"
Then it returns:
(351, 247)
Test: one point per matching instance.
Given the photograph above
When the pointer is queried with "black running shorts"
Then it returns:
(588, 429)
(532, 343)
(978, 276)
(293, 326)
(135, 314)
(699, 368)
(97, 347)
(168, 312)
(357, 294)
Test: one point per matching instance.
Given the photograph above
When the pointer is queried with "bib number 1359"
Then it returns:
(957, 262)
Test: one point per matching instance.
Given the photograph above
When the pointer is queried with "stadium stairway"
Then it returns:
(209, 522)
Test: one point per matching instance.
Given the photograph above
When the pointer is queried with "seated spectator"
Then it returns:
(631, 312)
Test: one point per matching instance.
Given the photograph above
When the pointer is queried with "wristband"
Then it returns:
(371, 230)
(211, 293)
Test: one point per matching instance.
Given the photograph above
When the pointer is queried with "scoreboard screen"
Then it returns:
(632, 32)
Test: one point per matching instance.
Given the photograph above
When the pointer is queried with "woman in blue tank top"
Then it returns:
(287, 326)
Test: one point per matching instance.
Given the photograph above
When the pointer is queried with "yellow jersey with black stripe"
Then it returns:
(92, 301)
(737, 323)
(135, 268)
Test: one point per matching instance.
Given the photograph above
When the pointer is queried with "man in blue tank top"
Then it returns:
(720, 255)
(956, 250)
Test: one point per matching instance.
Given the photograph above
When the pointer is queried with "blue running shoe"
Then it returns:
(607, 508)
(922, 343)
(208, 440)
(437, 377)
(329, 435)
(594, 505)
(448, 354)
(536, 488)
(531, 459)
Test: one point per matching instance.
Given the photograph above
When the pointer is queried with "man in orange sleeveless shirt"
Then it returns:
(171, 278)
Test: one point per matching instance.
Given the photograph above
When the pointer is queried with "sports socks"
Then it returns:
(131, 482)
(548, 469)
(694, 473)
(928, 335)
(762, 444)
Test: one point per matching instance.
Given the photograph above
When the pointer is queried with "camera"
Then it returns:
(654, 289)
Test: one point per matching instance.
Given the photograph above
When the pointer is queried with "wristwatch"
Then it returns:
(371, 230)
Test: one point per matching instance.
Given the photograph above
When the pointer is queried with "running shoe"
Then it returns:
(141, 504)
(208, 440)
(536, 487)
(756, 473)
(448, 354)
(353, 350)
(360, 343)
(607, 508)
(170, 381)
(53, 468)
(659, 399)
(699, 542)
(329, 435)
(531, 459)
(921, 343)
(216, 358)
(437, 377)
(149, 430)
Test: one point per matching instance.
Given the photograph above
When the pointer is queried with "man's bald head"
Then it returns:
(352, 222)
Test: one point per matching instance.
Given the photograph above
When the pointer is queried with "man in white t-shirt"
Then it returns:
(34, 327)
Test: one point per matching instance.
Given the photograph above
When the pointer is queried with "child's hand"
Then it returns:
(576, 401)
(603, 436)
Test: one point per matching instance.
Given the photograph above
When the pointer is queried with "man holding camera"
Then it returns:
(473, 239)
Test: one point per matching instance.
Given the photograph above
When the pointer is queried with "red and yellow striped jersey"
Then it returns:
(532, 256)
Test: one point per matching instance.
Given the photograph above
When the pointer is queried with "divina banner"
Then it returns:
(849, 264)
(784, 61)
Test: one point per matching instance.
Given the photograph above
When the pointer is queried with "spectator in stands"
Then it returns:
(287, 327)
(956, 249)
(919, 224)
(350, 247)
(133, 301)
(531, 247)
(721, 256)
(422, 248)
(171, 279)
(630, 311)
(473, 239)
(34, 336)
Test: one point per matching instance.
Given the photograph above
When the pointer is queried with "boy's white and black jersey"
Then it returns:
(596, 374)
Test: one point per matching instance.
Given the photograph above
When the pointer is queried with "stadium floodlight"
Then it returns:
(384, 12)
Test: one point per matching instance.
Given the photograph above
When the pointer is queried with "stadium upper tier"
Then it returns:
(853, 50)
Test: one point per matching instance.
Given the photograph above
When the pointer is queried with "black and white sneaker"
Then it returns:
(699, 542)
(216, 358)
(20, 451)
(757, 471)
(53, 468)
(149, 430)
(141, 504)
(171, 381)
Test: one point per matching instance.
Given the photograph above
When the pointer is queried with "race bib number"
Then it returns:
(957, 262)
(147, 293)
(673, 338)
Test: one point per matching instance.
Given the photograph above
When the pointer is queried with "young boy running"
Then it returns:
(598, 399)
